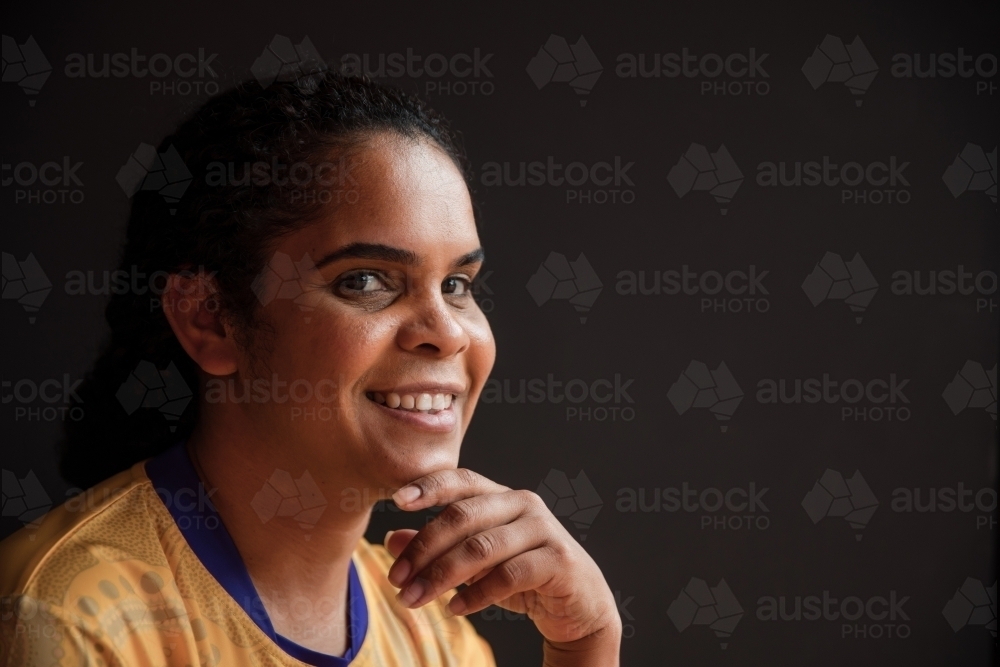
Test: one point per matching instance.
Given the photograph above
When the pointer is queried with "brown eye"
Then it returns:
(456, 285)
(361, 282)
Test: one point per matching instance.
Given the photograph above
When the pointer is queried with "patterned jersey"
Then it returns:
(109, 578)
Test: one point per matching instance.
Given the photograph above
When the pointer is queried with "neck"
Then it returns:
(296, 561)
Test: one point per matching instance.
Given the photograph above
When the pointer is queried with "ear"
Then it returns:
(192, 306)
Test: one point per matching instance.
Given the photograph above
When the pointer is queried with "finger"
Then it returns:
(471, 556)
(476, 577)
(456, 522)
(526, 572)
(444, 487)
(396, 540)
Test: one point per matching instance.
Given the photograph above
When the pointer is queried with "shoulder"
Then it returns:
(435, 636)
(114, 522)
(69, 580)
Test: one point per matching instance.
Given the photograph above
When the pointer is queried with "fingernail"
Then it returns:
(399, 571)
(385, 542)
(406, 495)
(411, 594)
(457, 605)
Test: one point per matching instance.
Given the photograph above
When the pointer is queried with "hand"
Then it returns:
(512, 552)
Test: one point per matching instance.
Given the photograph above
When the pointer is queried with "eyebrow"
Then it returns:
(475, 257)
(378, 251)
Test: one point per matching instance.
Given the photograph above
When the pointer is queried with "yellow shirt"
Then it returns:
(112, 581)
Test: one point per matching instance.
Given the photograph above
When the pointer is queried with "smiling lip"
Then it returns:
(434, 421)
(425, 406)
(423, 388)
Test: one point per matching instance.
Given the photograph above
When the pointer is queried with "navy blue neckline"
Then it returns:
(177, 483)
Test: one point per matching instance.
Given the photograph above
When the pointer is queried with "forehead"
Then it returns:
(398, 191)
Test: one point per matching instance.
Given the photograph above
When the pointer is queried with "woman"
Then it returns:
(315, 287)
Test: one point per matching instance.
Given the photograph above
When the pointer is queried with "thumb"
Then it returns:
(396, 540)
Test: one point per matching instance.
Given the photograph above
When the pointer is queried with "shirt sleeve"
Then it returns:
(35, 633)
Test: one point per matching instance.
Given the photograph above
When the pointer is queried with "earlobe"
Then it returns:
(192, 306)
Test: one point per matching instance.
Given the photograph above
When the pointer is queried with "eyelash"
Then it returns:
(353, 275)
(466, 281)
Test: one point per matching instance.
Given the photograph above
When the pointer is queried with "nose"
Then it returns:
(432, 329)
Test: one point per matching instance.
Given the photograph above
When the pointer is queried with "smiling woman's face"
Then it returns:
(386, 319)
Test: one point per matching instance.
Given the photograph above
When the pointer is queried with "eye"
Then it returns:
(456, 285)
(361, 282)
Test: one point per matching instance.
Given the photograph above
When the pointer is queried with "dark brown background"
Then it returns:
(648, 557)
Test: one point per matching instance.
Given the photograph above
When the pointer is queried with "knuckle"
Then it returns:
(431, 484)
(562, 554)
(510, 573)
(481, 547)
(531, 500)
(418, 547)
(438, 573)
(466, 477)
(458, 514)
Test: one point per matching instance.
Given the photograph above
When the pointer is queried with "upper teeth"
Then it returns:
(421, 402)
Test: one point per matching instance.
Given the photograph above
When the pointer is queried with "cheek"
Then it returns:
(482, 348)
(335, 343)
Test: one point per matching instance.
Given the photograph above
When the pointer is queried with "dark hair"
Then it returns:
(224, 229)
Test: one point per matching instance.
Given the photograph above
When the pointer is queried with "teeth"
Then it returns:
(419, 402)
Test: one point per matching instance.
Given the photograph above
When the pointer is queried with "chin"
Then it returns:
(401, 468)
